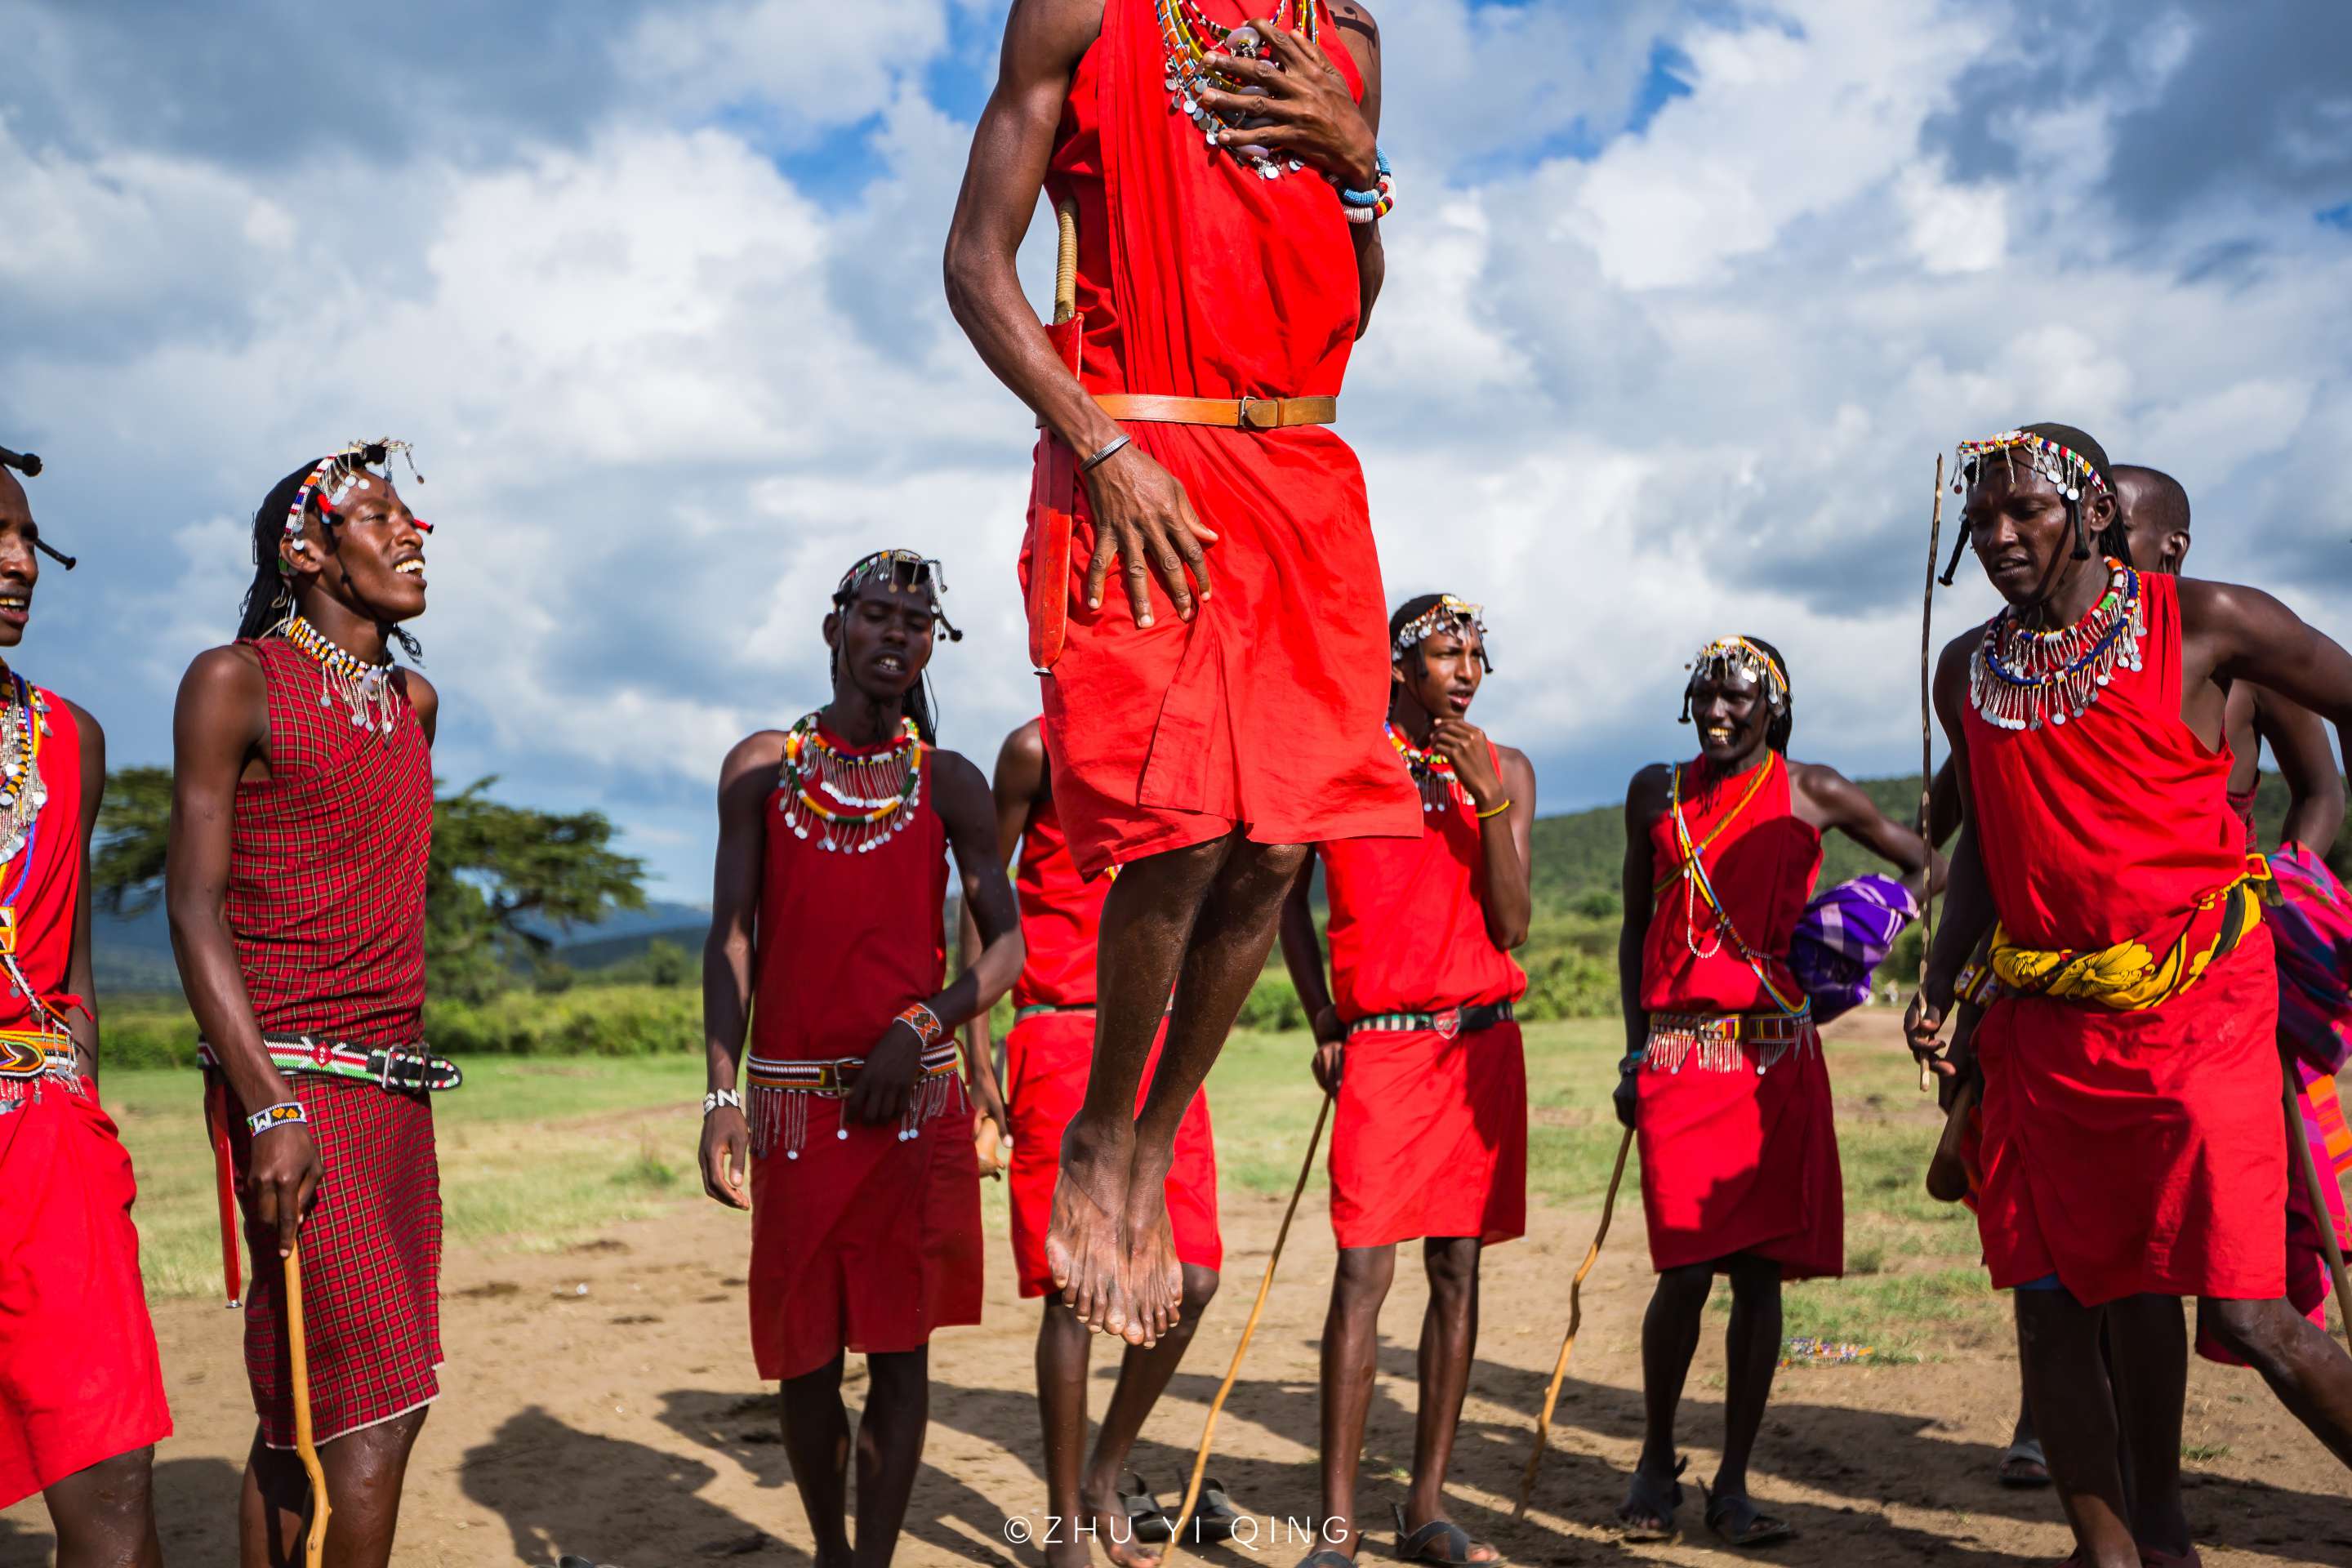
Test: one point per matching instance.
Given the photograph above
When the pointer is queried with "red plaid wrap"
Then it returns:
(326, 903)
(371, 1266)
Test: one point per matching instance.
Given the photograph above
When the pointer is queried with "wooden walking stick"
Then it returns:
(1575, 1321)
(1258, 1309)
(314, 1545)
(1927, 743)
(2299, 1152)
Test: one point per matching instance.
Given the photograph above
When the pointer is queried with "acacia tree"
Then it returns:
(500, 878)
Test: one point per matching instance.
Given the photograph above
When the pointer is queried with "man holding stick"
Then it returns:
(2133, 1141)
(81, 1392)
(1226, 187)
(1429, 1143)
(301, 825)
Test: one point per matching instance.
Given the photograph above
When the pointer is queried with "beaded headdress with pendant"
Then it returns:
(365, 687)
(1449, 614)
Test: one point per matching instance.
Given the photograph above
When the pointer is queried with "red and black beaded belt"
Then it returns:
(1447, 1021)
(28, 1053)
(398, 1068)
(781, 1091)
(1724, 1042)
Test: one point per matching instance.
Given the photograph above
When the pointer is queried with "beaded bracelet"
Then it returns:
(261, 1121)
(1495, 810)
(924, 1022)
(1368, 206)
(719, 1097)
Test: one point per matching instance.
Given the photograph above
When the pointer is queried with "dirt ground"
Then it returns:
(622, 1422)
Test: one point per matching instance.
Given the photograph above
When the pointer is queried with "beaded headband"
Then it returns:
(1442, 616)
(336, 477)
(1736, 656)
(900, 571)
(2062, 466)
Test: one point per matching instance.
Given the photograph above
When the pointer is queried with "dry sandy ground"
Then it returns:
(625, 1424)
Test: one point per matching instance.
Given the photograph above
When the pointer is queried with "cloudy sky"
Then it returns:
(1683, 299)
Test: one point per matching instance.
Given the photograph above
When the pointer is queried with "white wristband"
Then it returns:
(719, 1097)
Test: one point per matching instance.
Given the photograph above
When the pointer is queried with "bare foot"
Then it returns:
(1082, 1237)
(1153, 1278)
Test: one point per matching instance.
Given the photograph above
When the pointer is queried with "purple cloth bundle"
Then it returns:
(1843, 935)
(2312, 927)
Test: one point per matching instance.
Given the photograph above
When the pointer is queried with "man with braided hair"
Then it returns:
(827, 949)
(81, 1393)
(1723, 1079)
(1416, 1041)
(301, 825)
(2133, 1143)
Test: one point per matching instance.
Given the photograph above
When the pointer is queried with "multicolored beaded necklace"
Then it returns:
(1191, 37)
(367, 689)
(872, 795)
(1698, 885)
(2020, 678)
(1432, 771)
(23, 722)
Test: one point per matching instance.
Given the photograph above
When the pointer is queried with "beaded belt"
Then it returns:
(781, 1091)
(398, 1068)
(1978, 986)
(1448, 1022)
(1724, 1042)
(29, 1058)
(1040, 1009)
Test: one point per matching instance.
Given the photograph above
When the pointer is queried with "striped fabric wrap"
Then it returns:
(781, 1091)
(2331, 1144)
(2313, 929)
(2145, 971)
(1844, 935)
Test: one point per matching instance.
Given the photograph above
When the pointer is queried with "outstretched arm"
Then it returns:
(1018, 787)
(2236, 633)
(221, 722)
(2315, 809)
(1142, 515)
(1646, 797)
(1302, 954)
(745, 779)
(1968, 897)
(1828, 799)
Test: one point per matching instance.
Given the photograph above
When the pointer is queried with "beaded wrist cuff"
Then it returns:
(924, 1022)
(719, 1097)
(261, 1121)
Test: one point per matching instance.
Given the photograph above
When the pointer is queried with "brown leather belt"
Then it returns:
(1228, 413)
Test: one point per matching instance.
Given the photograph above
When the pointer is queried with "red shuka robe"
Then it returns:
(867, 1242)
(1740, 1158)
(2126, 1151)
(80, 1379)
(1048, 1055)
(1198, 277)
(1430, 1137)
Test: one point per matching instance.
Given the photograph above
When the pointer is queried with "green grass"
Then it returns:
(537, 1154)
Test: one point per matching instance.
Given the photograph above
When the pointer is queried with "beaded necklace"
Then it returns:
(23, 722)
(872, 795)
(367, 689)
(1433, 771)
(2020, 678)
(1190, 38)
(1699, 885)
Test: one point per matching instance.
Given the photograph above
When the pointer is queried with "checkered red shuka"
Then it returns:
(326, 903)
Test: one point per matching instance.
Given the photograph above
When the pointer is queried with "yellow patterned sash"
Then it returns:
(2144, 971)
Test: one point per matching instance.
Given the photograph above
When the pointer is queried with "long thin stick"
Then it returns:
(1575, 1321)
(1257, 1308)
(314, 1545)
(2299, 1151)
(1927, 744)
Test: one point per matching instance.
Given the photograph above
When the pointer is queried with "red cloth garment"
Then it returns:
(1739, 1153)
(1408, 928)
(2139, 1151)
(327, 862)
(1762, 860)
(80, 1379)
(371, 1266)
(326, 906)
(2307, 1281)
(1430, 1135)
(1198, 277)
(1045, 1062)
(1061, 917)
(867, 1241)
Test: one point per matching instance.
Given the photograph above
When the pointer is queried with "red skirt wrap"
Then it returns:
(1047, 1059)
(867, 1243)
(2139, 1151)
(1430, 1137)
(1740, 1161)
(79, 1381)
(371, 1266)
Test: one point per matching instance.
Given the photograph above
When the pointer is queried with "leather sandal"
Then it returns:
(1760, 1529)
(1645, 1499)
(1439, 1536)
